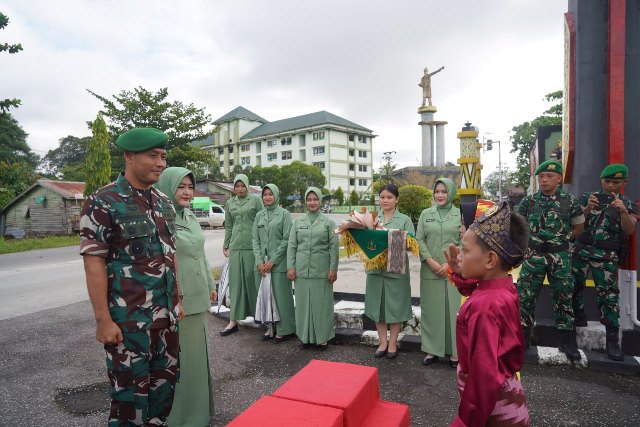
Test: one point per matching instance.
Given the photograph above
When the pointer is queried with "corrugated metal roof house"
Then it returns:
(46, 208)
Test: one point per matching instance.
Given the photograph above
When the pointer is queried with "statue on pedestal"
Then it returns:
(425, 84)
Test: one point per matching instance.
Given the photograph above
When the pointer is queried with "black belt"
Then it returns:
(549, 247)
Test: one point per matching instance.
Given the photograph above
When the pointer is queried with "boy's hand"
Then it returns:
(451, 255)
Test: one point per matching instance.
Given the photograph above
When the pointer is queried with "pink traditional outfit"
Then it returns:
(489, 337)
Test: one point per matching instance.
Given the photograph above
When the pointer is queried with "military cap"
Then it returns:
(549, 166)
(137, 140)
(615, 171)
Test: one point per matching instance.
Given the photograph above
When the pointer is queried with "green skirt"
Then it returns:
(243, 289)
(439, 303)
(314, 310)
(193, 401)
(387, 299)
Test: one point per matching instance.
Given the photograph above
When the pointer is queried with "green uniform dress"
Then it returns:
(439, 301)
(240, 212)
(387, 296)
(270, 239)
(313, 251)
(193, 402)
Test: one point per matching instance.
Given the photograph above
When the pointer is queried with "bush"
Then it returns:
(413, 200)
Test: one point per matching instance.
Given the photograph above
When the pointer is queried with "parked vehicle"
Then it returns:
(209, 214)
(325, 208)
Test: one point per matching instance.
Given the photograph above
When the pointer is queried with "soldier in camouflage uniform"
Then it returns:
(554, 217)
(610, 218)
(128, 246)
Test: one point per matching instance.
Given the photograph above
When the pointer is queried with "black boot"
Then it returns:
(567, 344)
(613, 348)
(580, 318)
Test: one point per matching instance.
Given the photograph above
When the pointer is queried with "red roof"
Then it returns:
(67, 189)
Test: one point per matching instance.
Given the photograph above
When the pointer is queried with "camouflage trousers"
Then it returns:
(557, 267)
(143, 372)
(604, 273)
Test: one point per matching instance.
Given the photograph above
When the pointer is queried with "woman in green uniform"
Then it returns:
(270, 239)
(239, 214)
(312, 261)
(387, 298)
(193, 401)
(438, 226)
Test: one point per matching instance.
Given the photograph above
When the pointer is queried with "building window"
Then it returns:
(272, 156)
(362, 182)
(317, 151)
(352, 151)
(245, 147)
(352, 167)
(352, 181)
(362, 139)
(318, 136)
(362, 153)
(362, 168)
(245, 161)
(286, 155)
(231, 162)
(271, 144)
(221, 163)
(231, 149)
(286, 141)
(319, 164)
(352, 137)
(302, 140)
(221, 151)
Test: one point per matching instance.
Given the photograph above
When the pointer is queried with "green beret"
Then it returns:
(615, 171)
(550, 166)
(137, 140)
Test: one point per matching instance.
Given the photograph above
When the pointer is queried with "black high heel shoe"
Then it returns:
(453, 363)
(229, 331)
(429, 360)
(379, 354)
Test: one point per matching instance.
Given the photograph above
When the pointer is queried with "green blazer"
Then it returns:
(239, 214)
(194, 272)
(271, 237)
(434, 234)
(313, 247)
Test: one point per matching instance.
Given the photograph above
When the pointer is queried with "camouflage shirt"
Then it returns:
(603, 225)
(551, 218)
(134, 230)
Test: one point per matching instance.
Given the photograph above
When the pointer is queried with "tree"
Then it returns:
(11, 48)
(262, 176)
(202, 163)
(339, 196)
(524, 135)
(490, 185)
(237, 169)
(354, 199)
(15, 177)
(98, 164)
(413, 200)
(70, 155)
(294, 179)
(142, 108)
(13, 142)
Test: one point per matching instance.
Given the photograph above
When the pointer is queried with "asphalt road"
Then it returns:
(52, 373)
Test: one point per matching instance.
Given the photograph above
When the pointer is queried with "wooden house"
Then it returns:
(46, 208)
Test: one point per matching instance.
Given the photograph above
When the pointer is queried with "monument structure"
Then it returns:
(432, 130)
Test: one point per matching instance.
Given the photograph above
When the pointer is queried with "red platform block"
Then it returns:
(352, 388)
(269, 411)
(388, 414)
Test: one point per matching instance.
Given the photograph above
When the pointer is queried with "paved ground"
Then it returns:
(52, 373)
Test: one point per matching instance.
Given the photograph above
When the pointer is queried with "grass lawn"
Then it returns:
(8, 246)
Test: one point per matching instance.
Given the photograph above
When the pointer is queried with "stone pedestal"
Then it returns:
(432, 137)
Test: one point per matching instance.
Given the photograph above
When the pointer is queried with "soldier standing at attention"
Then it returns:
(554, 217)
(128, 244)
(610, 218)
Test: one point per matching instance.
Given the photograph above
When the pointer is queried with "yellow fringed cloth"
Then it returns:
(371, 246)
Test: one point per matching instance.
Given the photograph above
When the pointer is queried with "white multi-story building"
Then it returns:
(340, 148)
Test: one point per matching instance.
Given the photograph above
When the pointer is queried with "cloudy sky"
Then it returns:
(359, 59)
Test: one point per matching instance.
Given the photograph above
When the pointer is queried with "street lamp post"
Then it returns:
(489, 147)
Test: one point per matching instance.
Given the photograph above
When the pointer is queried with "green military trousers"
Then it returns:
(557, 266)
(604, 273)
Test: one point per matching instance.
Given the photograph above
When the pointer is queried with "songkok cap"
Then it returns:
(137, 140)
(549, 166)
(493, 228)
(615, 171)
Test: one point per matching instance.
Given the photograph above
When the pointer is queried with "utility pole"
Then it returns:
(388, 155)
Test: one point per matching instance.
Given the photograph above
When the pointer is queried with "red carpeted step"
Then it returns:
(351, 388)
(271, 411)
(388, 414)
